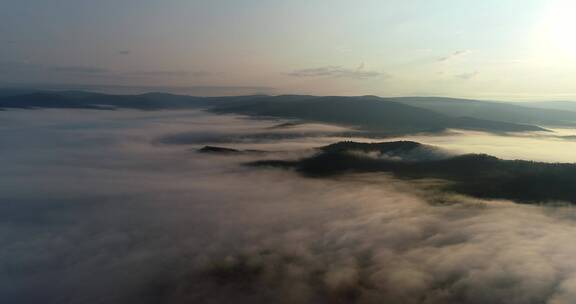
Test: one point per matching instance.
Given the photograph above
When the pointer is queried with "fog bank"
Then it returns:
(96, 208)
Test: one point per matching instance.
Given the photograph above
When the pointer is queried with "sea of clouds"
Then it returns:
(118, 207)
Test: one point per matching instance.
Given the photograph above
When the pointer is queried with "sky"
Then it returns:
(491, 49)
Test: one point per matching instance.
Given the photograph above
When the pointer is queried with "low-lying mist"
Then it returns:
(554, 146)
(117, 207)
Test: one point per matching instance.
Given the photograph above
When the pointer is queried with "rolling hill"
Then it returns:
(368, 113)
(520, 113)
(477, 175)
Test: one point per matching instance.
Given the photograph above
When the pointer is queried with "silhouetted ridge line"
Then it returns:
(478, 175)
(368, 113)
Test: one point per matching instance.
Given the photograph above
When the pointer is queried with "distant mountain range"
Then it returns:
(365, 112)
(548, 113)
(557, 105)
(477, 175)
(368, 113)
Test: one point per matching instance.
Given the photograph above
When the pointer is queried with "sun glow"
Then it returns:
(556, 33)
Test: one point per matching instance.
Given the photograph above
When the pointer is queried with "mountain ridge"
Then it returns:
(372, 113)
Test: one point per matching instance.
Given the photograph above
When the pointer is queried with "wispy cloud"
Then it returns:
(454, 55)
(467, 76)
(30, 72)
(338, 72)
(171, 73)
(138, 89)
(78, 69)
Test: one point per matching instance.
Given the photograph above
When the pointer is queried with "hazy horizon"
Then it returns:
(497, 50)
(209, 91)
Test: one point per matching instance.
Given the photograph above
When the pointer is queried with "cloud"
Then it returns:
(16, 73)
(338, 72)
(467, 76)
(16, 67)
(137, 89)
(242, 134)
(171, 73)
(78, 69)
(118, 218)
(27, 72)
(33, 69)
(124, 52)
(456, 54)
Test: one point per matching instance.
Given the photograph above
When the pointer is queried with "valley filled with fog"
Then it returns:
(120, 207)
(555, 146)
